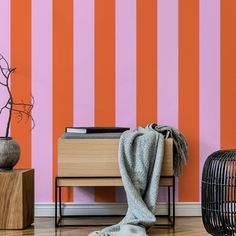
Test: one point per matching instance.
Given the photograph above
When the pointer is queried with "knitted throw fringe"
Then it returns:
(180, 145)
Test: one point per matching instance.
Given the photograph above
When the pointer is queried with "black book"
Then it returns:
(90, 130)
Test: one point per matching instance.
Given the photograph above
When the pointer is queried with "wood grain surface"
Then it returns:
(16, 198)
(189, 226)
(98, 157)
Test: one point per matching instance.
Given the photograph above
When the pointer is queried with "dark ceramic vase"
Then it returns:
(9, 153)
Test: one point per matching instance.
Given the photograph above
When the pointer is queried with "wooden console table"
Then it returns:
(94, 162)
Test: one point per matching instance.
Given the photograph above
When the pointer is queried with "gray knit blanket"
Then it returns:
(180, 145)
(140, 160)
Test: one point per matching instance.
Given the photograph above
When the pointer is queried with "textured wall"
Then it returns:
(124, 63)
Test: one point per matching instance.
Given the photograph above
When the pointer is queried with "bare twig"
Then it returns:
(21, 109)
(20, 114)
(4, 106)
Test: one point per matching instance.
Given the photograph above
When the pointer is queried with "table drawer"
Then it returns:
(98, 157)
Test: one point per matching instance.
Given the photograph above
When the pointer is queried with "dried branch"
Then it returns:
(4, 59)
(8, 102)
(20, 115)
(3, 84)
(21, 109)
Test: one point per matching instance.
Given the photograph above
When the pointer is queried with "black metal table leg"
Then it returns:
(60, 211)
(169, 217)
(173, 221)
(56, 225)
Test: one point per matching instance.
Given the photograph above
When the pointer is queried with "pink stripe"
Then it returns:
(84, 194)
(84, 75)
(120, 194)
(163, 194)
(42, 92)
(5, 51)
(84, 62)
(126, 63)
(209, 78)
(167, 66)
(168, 62)
(125, 69)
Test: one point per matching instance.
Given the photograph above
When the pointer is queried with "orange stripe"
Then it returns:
(228, 74)
(62, 75)
(104, 62)
(21, 79)
(189, 95)
(105, 75)
(105, 194)
(146, 62)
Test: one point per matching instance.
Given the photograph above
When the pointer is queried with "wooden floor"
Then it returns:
(190, 226)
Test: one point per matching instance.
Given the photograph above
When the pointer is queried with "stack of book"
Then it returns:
(93, 132)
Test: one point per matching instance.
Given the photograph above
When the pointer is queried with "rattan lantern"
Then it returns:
(219, 193)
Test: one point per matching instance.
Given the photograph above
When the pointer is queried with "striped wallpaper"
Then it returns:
(124, 63)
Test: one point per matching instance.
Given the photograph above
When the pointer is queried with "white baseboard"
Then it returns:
(47, 209)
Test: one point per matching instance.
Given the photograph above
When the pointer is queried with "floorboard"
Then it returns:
(190, 226)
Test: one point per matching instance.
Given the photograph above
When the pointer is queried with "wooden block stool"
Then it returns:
(16, 198)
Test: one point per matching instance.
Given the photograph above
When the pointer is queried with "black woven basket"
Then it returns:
(219, 193)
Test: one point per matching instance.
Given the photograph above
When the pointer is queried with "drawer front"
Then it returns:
(88, 157)
(98, 157)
